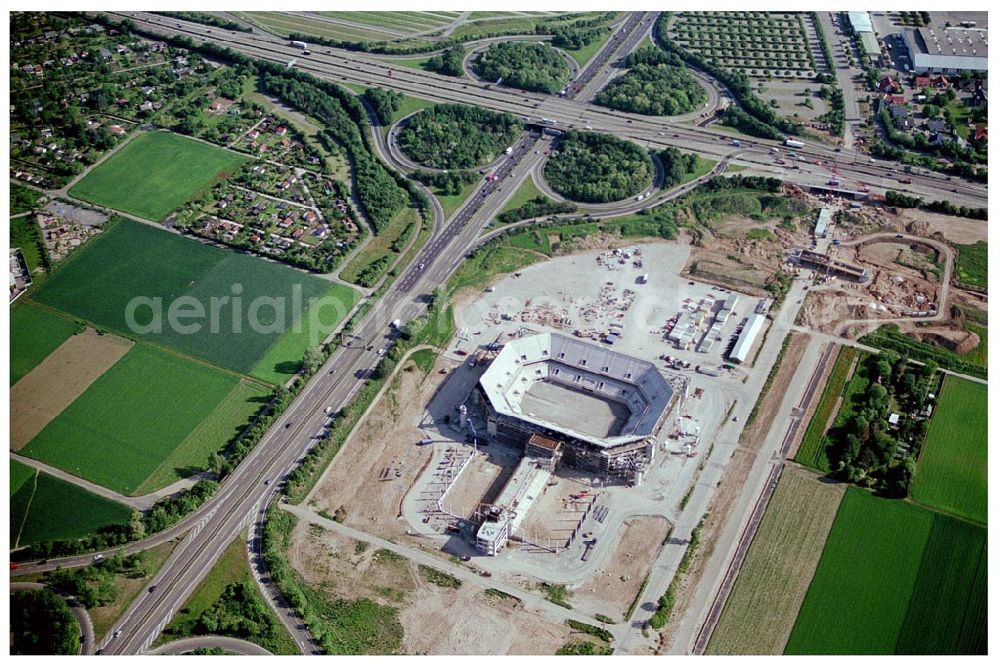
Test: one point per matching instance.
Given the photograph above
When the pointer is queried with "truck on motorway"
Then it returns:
(792, 143)
(300, 44)
(548, 121)
(509, 150)
(736, 143)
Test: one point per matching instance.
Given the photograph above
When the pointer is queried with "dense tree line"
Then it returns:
(456, 136)
(448, 62)
(41, 622)
(537, 207)
(676, 165)
(446, 182)
(900, 200)
(736, 117)
(576, 38)
(598, 168)
(654, 90)
(384, 103)
(528, 66)
(736, 81)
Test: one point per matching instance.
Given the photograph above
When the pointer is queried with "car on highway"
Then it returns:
(288, 425)
(152, 588)
(98, 557)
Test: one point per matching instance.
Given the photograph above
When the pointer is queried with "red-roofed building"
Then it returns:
(940, 81)
(897, 100)
(981, 134)
(117, 129)
(923, 82)
(888, 84)
(280, 131)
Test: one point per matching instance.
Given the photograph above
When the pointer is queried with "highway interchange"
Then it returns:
(244, 496)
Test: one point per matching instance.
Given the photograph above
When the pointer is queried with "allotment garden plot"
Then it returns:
(155, 174)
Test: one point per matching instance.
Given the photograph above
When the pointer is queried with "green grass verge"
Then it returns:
(525, 193)
(25, 234)
(812, 451)
(22, 199)
(971, 264)
(952, 469)
(155, 174)
(44, 508)
(230, 569)
(131, 418)
(424, 359)
(35, 333)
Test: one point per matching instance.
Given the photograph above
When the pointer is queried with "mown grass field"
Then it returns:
(155, 174)
(764, 602)
(35, 333)
(858, 599)
(134, 260)
(812, 451)
(226, 421)
(46, 508)
(132, 418)
(952, 468)
(525, 193)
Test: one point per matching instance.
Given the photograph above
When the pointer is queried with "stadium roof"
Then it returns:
(594, 369)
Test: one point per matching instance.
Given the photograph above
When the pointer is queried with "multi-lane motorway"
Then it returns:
(366, 69)
(244, 494)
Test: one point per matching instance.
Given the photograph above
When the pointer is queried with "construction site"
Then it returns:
(526, 452)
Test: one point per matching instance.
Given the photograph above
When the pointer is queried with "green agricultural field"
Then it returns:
(812, 451)
(134, 260)
(761, 609)
(155, 174)
(132, 418)
(951, 471)
(46, 508)
(35, 333)
(947, 613)
(226, 422)
(858, 600)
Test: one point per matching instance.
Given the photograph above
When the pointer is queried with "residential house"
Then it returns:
(889, 85)
(900, 117)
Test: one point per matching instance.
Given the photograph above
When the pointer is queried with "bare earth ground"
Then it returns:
(480, 481)
(754, 435)
(954, 229)
(435, 620)
(613, 588)
(61, 378)
(553, 515)
(737, 472)
(385, 439)
(764, 603)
